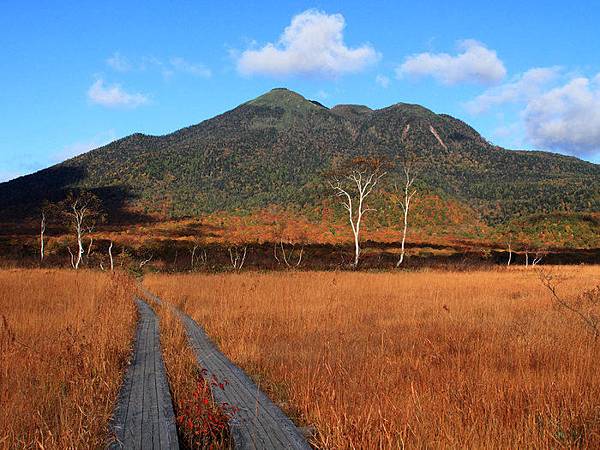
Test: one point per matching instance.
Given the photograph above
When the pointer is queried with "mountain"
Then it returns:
(274, 150)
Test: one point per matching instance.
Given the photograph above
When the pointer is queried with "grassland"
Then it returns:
(434, 359)
(65, 339)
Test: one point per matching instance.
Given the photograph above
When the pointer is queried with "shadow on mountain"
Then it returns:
(22, 199)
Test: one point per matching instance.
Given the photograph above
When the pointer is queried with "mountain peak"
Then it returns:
(284, 98)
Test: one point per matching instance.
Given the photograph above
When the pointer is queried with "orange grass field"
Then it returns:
(65, 339)
(434, 359)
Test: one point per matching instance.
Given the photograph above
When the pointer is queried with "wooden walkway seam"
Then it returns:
(144, 417)
(258, 423)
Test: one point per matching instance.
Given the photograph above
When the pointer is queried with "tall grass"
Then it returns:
(421, 360)
(65, 339)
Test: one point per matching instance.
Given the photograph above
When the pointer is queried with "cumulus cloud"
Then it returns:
(382, 81)
(567, 117)
(168, 67)
(313, 44)
(181, 65)
(119, 63)
(475, 64)
(522, 88)
(114, 96)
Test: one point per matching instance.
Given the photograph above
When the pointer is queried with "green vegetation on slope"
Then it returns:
(275, 149)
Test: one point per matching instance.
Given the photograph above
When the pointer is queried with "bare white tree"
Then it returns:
(194, 248)
(42, 233)
(82, 211)
(288, 255)
(509, 243)
(72, 258)
(354, 188)
(537, 258)
(110, 256)
(408, 193)
(145, 261)
(237, 257)
(89, 250)
(201, 256)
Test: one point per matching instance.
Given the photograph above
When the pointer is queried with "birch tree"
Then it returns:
(47, 215)
(42, 234)
(408, 192)
(292, 239)
(110, 257)
(353, 186)
(82, 210)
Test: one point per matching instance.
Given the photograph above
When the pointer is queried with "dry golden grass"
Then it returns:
(65, 339)
(430, 359)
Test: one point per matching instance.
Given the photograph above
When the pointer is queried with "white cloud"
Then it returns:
(114, 96)
(323, 95)
(522, 88)
(119, 63)
(80, 147)
(313, 44)
(167, 68)
(567, 117)
(476, 64)
(181, 65)
(382, 81)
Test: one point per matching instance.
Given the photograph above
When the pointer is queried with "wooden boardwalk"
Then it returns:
(259, 423)
(144, 417)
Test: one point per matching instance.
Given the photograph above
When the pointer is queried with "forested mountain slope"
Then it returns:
(276, 148)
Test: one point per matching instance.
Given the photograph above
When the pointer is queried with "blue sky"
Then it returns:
(76, 75)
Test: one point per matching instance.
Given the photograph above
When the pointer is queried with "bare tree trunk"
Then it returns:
(42, 232)
(288, 257)
(72, 258)
(237, 259)
(509, 255)
(356, 245)
(526, 258)
(405, 204)
(364, 182)
(145, 261)
(79, 230)
(110, 255)
(537, 259)
(193, 255)
(89, 250)
(82, 212)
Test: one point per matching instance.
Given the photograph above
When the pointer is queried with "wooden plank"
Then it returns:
(259, 423)
(144, 417)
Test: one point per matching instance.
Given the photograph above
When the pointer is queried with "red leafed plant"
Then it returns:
(203, 423)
